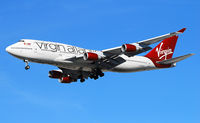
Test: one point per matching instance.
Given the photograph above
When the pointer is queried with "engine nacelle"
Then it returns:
(128, 48)
(65, 79)
(55, 74)
(91, 56)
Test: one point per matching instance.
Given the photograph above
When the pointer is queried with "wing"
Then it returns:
(143, 45)
(67, 75)
(89, 69)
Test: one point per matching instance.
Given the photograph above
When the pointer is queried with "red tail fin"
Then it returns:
(164, 50)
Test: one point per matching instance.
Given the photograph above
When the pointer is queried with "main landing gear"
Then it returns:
(96, 74)
(82, 79)
(27, 66)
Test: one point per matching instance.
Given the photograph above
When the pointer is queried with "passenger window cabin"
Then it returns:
(21, 40)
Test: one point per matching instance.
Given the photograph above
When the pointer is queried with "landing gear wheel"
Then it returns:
(96, 77)
(82, 80)
(101, 74)
(27, 67)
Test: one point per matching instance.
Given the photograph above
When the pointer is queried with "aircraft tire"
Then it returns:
(82, 80)
(27, 67)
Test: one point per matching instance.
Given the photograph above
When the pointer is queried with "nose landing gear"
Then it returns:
(27, 66)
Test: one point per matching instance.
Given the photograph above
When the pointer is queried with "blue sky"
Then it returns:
(160, 96)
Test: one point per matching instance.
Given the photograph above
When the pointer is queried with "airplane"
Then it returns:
(76, 63)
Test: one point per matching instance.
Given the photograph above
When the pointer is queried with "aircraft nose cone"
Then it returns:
(8, 49)
(12, 51)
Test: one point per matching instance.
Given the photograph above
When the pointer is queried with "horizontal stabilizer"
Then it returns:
(174, 60)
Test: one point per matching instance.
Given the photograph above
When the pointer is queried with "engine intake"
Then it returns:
(91, 56)
(55, 74)
(128, 48)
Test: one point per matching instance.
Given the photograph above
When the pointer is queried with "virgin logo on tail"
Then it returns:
(163, 53)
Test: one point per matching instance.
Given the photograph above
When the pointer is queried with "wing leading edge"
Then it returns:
(144, 44)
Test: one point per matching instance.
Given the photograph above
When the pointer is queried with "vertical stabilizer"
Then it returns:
(164, 50)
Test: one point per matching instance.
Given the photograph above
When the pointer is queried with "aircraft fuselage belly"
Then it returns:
(134, 64)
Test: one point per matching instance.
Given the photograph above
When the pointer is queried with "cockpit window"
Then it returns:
(21, 40)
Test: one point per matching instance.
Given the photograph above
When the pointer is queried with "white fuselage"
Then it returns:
(60, 55)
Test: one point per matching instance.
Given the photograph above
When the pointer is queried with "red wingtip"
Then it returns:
(182, 30)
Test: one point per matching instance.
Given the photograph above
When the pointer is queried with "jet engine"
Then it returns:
(66, 79)
(91, 56)
(55, 74)
(128, 48)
